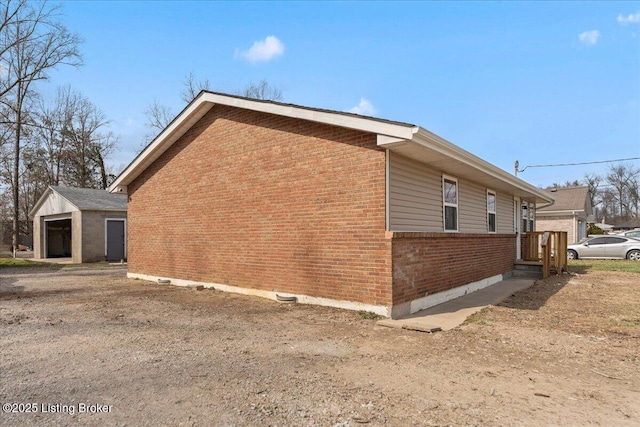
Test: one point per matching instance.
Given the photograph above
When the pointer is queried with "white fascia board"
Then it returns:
(327, 117)
(389, 140)
(436, 143)
(564, 211)
(206, 100)
(189, 116)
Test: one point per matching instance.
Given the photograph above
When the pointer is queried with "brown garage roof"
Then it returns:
(567, 199)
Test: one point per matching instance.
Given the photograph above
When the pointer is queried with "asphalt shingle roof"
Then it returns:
(567, 199)
(92, 200)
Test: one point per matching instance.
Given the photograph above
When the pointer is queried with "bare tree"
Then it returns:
(158, 116)
(85, 145)
(616, 194)
(593, 182)
(33, 42)
(192, 87)
(51, 120)
(624, 180)
(262, 90)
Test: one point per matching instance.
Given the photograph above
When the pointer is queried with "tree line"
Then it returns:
(61, 141)
(615, 195)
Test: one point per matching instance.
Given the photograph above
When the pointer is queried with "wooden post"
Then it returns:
(546, 254)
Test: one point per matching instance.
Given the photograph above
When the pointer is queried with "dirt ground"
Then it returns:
(86, 346)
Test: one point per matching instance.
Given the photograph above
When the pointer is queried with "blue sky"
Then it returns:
(538, 82)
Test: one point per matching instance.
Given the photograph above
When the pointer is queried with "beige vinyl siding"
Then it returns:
(415, 196)
(472, 207)
(504, 213)
(415, 201)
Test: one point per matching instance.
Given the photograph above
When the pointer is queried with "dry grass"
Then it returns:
(601, 303)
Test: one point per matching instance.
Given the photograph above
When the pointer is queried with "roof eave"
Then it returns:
(428, 147)
(206, 100)
(561, 211)
(178, 127)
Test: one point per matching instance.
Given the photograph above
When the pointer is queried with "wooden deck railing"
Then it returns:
(548, 247)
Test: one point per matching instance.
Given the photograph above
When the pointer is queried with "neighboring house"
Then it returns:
(626, 226)
(571, 212)
(337, 209)
(606, 228)
(83, 224)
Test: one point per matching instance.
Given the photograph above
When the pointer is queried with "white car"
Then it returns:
(606, 247)
(632, 233)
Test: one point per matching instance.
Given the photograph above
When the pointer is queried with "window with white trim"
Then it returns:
(450, 202)
(491, 211)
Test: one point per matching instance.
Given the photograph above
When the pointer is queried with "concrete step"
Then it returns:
(527, 269)
(526, 274)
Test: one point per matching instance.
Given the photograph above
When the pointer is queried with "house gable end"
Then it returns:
(52, 203)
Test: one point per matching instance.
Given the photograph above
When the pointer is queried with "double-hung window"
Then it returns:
(450, 202)
(491, 211)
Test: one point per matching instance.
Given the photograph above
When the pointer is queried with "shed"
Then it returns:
(83, 224)
(331, 208)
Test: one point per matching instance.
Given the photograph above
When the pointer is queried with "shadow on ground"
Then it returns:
(538, 294)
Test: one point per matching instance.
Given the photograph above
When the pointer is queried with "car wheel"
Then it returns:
(634, 255)
(571, 254)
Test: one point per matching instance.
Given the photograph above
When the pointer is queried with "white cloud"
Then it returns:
(589, 38)
(365, 108)
(633, 18)
(262, 50)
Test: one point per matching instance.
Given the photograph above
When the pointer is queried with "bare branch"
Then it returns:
(262, 90)
(192, 88)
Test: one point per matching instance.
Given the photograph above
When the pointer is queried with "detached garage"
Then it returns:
(83, 224)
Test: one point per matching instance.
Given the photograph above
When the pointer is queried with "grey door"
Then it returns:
(115, 240)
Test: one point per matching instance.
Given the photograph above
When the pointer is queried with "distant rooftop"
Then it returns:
(567, 199)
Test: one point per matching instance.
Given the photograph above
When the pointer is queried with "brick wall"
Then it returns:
(267, 202)
(558, 223)
(427, 263)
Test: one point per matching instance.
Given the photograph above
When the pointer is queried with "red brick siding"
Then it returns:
(426, 263)
(266, 202)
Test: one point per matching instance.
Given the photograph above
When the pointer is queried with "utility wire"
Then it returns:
(577, 164)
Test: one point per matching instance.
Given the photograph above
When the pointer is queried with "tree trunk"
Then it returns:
(16, 177)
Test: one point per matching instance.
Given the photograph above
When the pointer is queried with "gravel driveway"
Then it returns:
(86, 346)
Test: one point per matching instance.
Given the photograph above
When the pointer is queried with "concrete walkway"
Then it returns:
(55, 260)
(453, 313)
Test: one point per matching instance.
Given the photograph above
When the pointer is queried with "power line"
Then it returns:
(574, 164)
